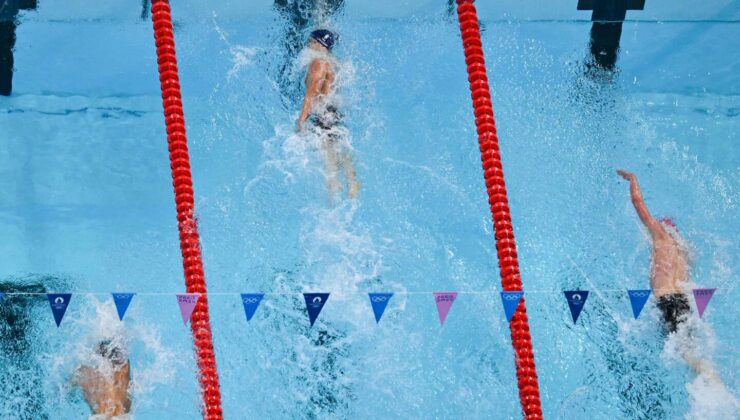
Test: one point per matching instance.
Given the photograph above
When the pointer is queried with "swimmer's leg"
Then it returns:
(331, 165)
(353, 186)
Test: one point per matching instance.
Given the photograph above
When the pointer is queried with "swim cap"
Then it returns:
(324, 37)
(111, 351)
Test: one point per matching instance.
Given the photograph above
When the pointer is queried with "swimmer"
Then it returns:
(320, 109)
(105, 387)
(669, 274)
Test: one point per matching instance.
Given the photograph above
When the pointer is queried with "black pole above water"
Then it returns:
(606, 31)
(8, 23)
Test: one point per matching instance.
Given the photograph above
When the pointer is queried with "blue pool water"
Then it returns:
(86, 207)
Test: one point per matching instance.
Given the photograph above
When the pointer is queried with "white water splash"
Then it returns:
(152, 363)
(709, 397)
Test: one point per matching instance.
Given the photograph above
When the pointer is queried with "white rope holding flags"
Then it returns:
(576, 300)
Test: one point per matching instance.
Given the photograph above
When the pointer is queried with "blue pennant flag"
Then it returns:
(314, 303)
(2, 296)
(379, 301)
(511, 302)
(251, 302)
(576, 302)
(638, 298)
(122, 300)
(59, 303)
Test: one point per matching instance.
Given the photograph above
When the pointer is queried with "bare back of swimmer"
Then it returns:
(106, 388)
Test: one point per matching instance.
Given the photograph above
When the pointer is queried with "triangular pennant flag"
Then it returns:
(576, 302)
(59, 303)
(314, 303)
(638, 298)
(511, 302)
(187, 303)
(444, 301)
(702, 296)
(251, 302)
(122, 300)
(379, 301)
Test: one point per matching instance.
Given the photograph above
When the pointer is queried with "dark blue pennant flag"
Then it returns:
(59, 303)
(122, 300)
(576, 302)
(638, 298)
(2, 296)
(379, 301)
(511, 302)
(251, 302)
(314, 303)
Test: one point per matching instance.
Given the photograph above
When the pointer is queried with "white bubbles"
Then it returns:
(710, 399)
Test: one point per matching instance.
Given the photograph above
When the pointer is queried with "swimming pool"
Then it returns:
(86, 206)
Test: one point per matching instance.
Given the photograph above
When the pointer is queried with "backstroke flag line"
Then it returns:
(122, 300)
(444, 302)
(314, 303)
(187, 303)
(59, 303)
(638, 298)
(251, 302)
(576, 301)
(511, 302)
(379, 301)
(702, 297)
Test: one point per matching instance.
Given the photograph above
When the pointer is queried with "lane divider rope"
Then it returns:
(529, 392)
(187, 225)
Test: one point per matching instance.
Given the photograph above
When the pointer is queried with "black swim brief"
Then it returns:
(330, 118)
(675, 308)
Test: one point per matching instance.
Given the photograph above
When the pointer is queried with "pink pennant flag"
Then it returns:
(702, 296)
(187, 303)
(444, 302)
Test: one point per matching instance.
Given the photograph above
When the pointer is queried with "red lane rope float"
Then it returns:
(183, 184)
(529, 392)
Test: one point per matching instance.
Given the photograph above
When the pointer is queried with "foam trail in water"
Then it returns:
(337, 254)
(709, 397)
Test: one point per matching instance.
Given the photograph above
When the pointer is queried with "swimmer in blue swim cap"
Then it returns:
(321, 110)
(324, 37)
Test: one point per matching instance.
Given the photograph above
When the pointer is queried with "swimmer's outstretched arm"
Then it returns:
(316, 73)
(640, 207)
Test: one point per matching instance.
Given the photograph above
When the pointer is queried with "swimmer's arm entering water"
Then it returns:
(317, 72)
(647, 219)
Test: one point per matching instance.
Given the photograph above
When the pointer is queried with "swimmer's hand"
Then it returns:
(629, 176)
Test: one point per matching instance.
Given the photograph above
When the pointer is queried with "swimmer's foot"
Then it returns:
(354, 189)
